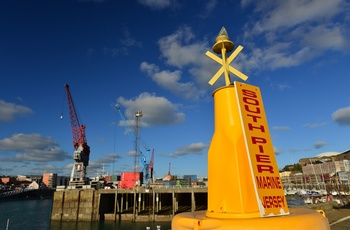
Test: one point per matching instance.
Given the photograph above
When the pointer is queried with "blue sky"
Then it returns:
(149, 55)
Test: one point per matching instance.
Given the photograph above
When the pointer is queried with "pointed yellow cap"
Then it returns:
(223, 40)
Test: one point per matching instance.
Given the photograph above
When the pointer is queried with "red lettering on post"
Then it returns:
(268, 182)
(250, 101)
(255, 118)
(262, 158)
(260, 140)
(261, 127)
(273, 202)
(257, 109)
(261, 148)
(249, 93)
(267, 168)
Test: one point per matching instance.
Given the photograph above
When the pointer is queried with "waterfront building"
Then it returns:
(50, 180)
(326, 168)
(8, 180)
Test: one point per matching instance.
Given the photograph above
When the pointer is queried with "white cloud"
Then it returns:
(101, 165)
(108, 158)
(156, 110)
(69, 167)
(131, 153)
(293, 32)
(9, 111)
(171, 81)
(126, 41)
(342, 116)
(179, 48)
(112, 52)
(314, 125)
(280, 128)
(277, 151)
(325, 37)
(46, 168)
(319, 144)
(192, 149)
(207, 7)
(278, 55)
(281, 86)
(182, 51)
(21, 141)
(32, 147)
(289, 13)
(245, 3)
(156, 4)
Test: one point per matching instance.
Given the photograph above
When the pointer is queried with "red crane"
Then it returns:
(82, 150)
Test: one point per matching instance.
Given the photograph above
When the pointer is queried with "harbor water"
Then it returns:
(35, 214)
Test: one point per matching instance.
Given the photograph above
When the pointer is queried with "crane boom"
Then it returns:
(128, 130)
(78, 130)
(82, 149)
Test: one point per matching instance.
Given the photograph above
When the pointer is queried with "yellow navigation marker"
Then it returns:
(223, 45)
(244, 183)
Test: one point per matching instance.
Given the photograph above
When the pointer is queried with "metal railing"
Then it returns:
(15, 192)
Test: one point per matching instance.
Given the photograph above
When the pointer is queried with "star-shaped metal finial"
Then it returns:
(224, 45)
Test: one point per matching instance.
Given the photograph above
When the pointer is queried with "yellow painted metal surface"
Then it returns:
(231, 191)
(266, 178)
(233, 199)
(299, 218)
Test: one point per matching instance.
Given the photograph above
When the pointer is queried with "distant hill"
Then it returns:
(326, 157)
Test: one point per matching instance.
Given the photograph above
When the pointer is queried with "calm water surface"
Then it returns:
(35, 214)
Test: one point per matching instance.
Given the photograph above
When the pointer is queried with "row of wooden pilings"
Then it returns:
(138, 204)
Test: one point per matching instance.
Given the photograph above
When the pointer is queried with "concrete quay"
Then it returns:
(139, 204)
(339, 218)
(153, 205)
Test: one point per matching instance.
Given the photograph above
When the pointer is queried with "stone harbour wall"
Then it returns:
(74, 205)
(139, 204)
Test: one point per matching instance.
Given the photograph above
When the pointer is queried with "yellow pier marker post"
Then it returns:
(244, 187)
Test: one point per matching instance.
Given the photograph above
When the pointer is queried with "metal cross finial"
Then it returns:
(222, 46)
